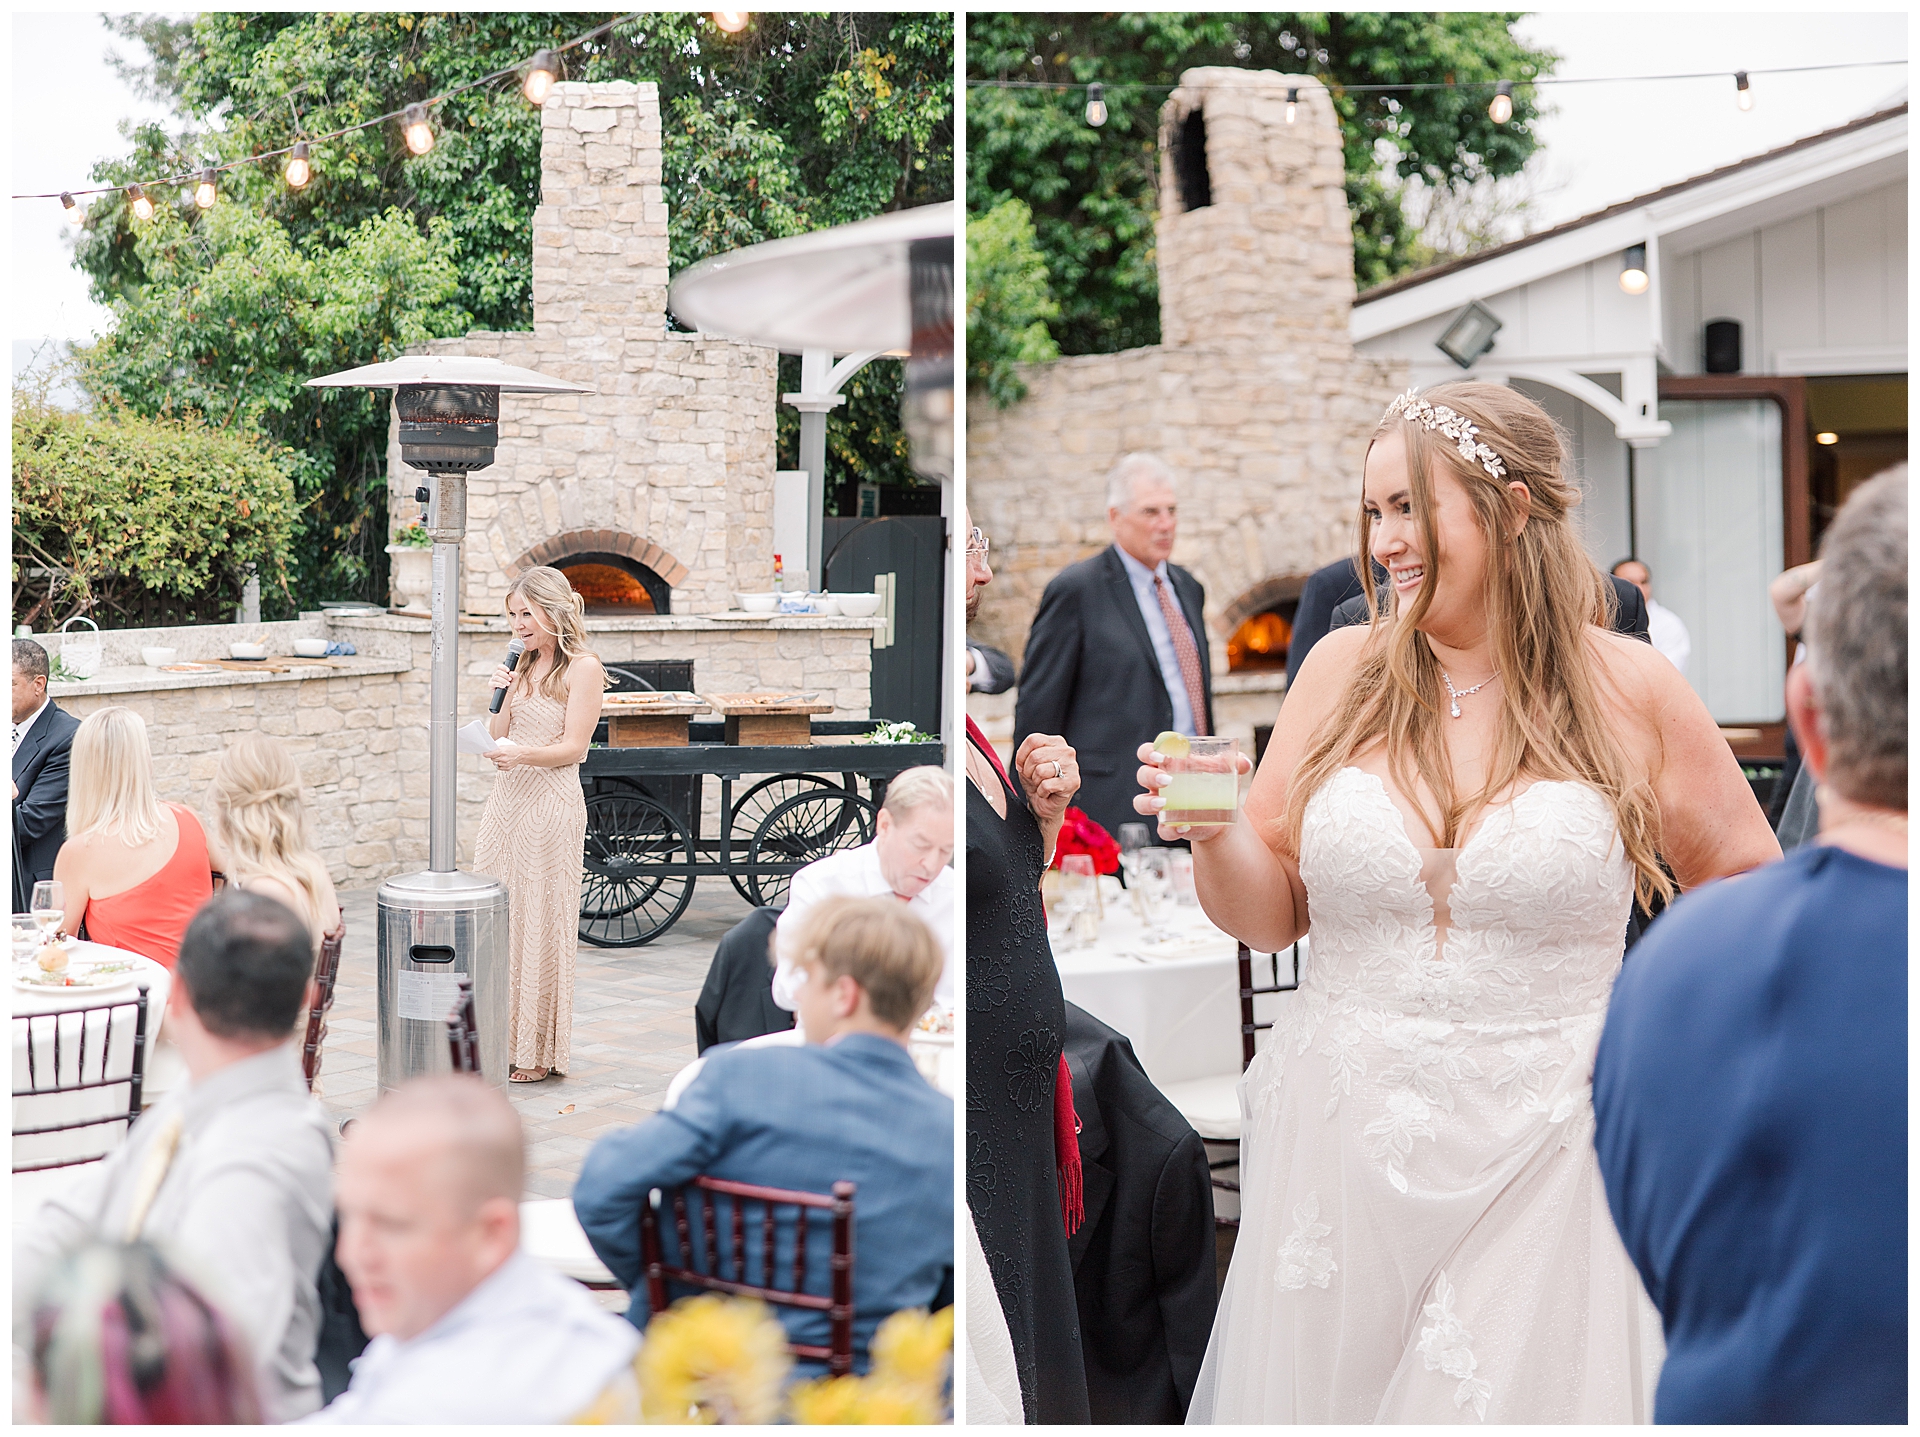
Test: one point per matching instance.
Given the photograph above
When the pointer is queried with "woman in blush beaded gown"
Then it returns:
(1459, 802)
(535, 825)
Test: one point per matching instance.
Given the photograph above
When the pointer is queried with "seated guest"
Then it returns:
(42, 747)
(735, 1002)
(849, 1106)
(1750, 1091)
(232, 1174)
(135, 870)
(120, 1339)
(908, 858)
(467, 1328)
(259, 837)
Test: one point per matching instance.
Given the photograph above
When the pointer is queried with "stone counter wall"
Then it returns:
(360, 735)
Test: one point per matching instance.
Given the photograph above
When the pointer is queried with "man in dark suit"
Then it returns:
(42, 753)
(1326, 589)
(989, 670)
(1118, 650)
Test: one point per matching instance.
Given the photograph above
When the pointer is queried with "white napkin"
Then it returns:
(474, 738)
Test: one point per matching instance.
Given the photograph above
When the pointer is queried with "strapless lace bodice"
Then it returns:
(1537, 911)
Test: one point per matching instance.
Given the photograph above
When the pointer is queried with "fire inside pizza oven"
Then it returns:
(613, 585)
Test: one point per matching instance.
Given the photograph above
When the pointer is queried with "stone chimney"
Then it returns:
(1255, 242)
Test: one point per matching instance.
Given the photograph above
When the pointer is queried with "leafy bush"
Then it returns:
(111, 507)
(1008, 301)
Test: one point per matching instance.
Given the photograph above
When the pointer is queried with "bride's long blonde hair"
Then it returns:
(561, 612)
(1541, 595)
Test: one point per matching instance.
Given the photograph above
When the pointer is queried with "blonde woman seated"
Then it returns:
(135, 871)
(259, 837)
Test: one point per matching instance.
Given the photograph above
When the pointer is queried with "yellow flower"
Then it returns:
(913, 1348)
(713, 1359)
(864, 1402)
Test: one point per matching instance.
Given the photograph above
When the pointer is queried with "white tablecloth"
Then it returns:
(1179, 1002)
(43, 1010)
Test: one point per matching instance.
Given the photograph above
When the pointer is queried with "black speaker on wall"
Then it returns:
(1722, 349)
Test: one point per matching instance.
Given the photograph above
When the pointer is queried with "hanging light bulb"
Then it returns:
(732, 21)
(207, 191)
(418, 132)
(1096, 105)
(1501, 110)
(1293, 103)
(75, 214)
(1742, 92)
(541, 75)
(142, 206)
(299, 167)
(1633, 269)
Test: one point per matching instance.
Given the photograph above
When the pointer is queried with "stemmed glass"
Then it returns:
(1151, 883)
(1133, 838)
(1075, 905)
(49, 905)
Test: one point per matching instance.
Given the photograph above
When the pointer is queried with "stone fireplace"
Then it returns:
(655, 492)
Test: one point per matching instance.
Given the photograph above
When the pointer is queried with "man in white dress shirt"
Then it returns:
(909, 858)
(467, 1328)
(1664, 627)
(231, 1175)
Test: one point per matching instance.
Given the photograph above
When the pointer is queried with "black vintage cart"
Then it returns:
(779, 810)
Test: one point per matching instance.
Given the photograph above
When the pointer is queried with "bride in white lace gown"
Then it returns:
(1464, 795)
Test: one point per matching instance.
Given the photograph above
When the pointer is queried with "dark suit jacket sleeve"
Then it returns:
(997, 677)
(42, 809)
(1324, 590)
(665, 1151)
(1052, 667)
(1631, 618)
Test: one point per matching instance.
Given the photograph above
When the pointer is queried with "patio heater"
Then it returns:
(880, 284)
(440, 924)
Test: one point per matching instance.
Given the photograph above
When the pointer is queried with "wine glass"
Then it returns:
(26, 938)
(1153, 890)
(1076, 900)
(1133, 838)
(49, 904)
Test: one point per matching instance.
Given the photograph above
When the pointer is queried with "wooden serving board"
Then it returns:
(650, 720)
(781, 720)
(274, 663)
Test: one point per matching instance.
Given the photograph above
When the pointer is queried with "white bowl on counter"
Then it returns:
(859, 606)
(241, 650)
(310, 648)
(757, 603)
(824, 603)
(156, 658)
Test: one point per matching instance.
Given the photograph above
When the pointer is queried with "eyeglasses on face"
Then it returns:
(976, 544)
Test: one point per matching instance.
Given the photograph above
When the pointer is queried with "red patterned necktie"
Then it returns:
(1186, 653)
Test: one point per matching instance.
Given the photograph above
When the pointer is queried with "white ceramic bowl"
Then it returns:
(310, 648)
(155, 658)
(859, 606)
(757, 603)
(824, 603)
(247, 651)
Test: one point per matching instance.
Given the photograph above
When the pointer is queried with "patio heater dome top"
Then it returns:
(844, 289)
(439, 369)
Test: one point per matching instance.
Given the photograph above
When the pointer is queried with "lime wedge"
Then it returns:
(1172, 745)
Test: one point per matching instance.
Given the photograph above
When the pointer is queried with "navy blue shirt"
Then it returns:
(1750, 1094)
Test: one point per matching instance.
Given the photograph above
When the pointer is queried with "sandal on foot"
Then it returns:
(528, 1075)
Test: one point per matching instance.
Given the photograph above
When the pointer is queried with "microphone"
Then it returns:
(515, 648)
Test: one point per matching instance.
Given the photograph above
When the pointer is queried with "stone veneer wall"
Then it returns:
(670, 461)
(359, 733)
(1256, 397)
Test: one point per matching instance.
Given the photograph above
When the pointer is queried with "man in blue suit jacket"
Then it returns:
(42, 754)
(848, 1106)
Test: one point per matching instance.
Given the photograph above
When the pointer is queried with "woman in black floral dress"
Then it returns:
(1016, 1024)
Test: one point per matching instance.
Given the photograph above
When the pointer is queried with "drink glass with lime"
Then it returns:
(1205, 787)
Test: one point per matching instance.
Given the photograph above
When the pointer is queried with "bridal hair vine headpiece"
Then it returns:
(1454, 425)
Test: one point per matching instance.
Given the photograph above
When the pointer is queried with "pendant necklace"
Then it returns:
(1457, 694)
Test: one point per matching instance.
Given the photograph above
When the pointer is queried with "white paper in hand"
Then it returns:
(474, 738)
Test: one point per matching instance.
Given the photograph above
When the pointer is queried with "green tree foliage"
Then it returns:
(1008, 301)
(233, 318)
(1094, 192)
(117, 506)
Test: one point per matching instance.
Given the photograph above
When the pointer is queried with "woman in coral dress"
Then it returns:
(1465, 793)
(535, 825)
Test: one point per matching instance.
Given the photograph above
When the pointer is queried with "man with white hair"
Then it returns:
(467, 1328)
(1118, 651)
(909, 859)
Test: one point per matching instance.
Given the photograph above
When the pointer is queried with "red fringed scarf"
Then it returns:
(1066, 1123)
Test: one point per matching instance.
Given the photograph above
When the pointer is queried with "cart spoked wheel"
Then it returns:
(804, 828)
(753, 809)
(627, 895)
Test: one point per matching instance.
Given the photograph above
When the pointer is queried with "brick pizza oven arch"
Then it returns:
(657, 569)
